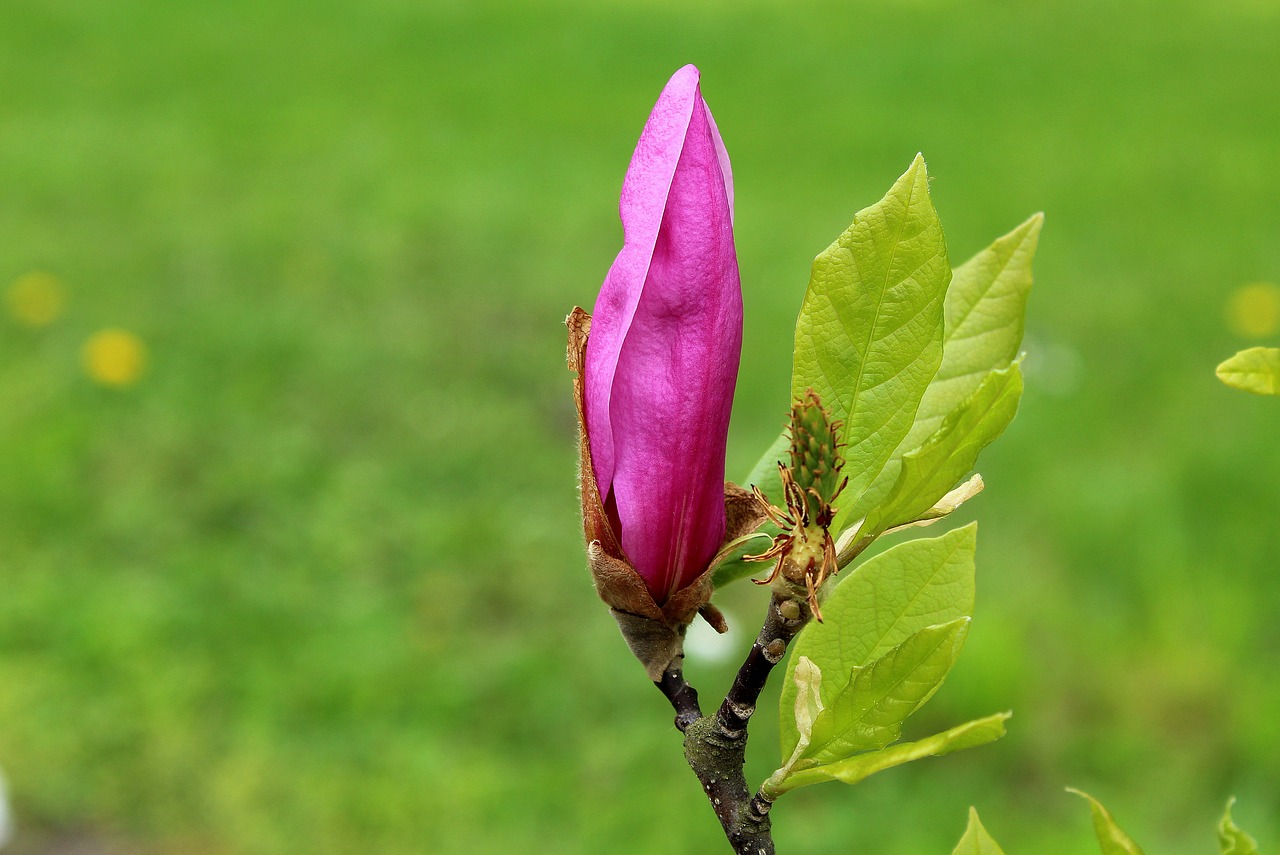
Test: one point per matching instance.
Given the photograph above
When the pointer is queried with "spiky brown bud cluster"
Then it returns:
(804, 549)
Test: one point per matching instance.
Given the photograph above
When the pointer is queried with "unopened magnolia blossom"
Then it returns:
(656, 365)
(666, 334)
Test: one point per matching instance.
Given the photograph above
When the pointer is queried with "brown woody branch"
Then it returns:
(716, 746)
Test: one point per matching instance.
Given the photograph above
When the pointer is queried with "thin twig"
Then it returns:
(683, 697)
(785, 618)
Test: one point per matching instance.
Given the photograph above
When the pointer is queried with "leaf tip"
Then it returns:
(918, 165)
(966, 536)
(1094, 804)
(1029, 232)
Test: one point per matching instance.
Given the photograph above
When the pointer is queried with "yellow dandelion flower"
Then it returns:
(1253, 310)
(36, 299)
(114, 357)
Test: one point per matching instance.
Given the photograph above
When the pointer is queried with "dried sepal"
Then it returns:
(595, 523)
(743, 514)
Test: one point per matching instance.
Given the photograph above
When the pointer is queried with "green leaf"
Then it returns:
(976, 840)
(916, 584)
(985, 310)
(868, 713)
(1231, 839)
(1111, 840)
(929, 472)
(1254, 370)
(869, 335)
(732, 566)
(862, 766)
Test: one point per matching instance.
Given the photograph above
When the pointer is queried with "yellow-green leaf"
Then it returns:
(1254, 370)
(928, 473)
(1111, 839)
(976, 840)
(765, 473)
(984, 311)
(876, 607)
(1231, 839)
(868, 712)
(732, 564)
(862, 766)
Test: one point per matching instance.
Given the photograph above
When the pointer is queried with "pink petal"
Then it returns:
(662, 358)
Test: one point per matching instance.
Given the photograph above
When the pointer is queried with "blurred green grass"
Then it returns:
(314, 583)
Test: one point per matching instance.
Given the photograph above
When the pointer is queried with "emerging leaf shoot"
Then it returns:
(1231, 839)
(1255, 370)
(1111, 839)
(976, 840)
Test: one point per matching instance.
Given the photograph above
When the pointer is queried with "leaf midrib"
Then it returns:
(875, 321)
(882, 697)
(951, 551)
(1004, 266)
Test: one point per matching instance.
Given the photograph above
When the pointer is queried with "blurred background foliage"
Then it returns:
(289, 557)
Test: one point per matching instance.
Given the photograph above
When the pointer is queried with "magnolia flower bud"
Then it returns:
(656, 380)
